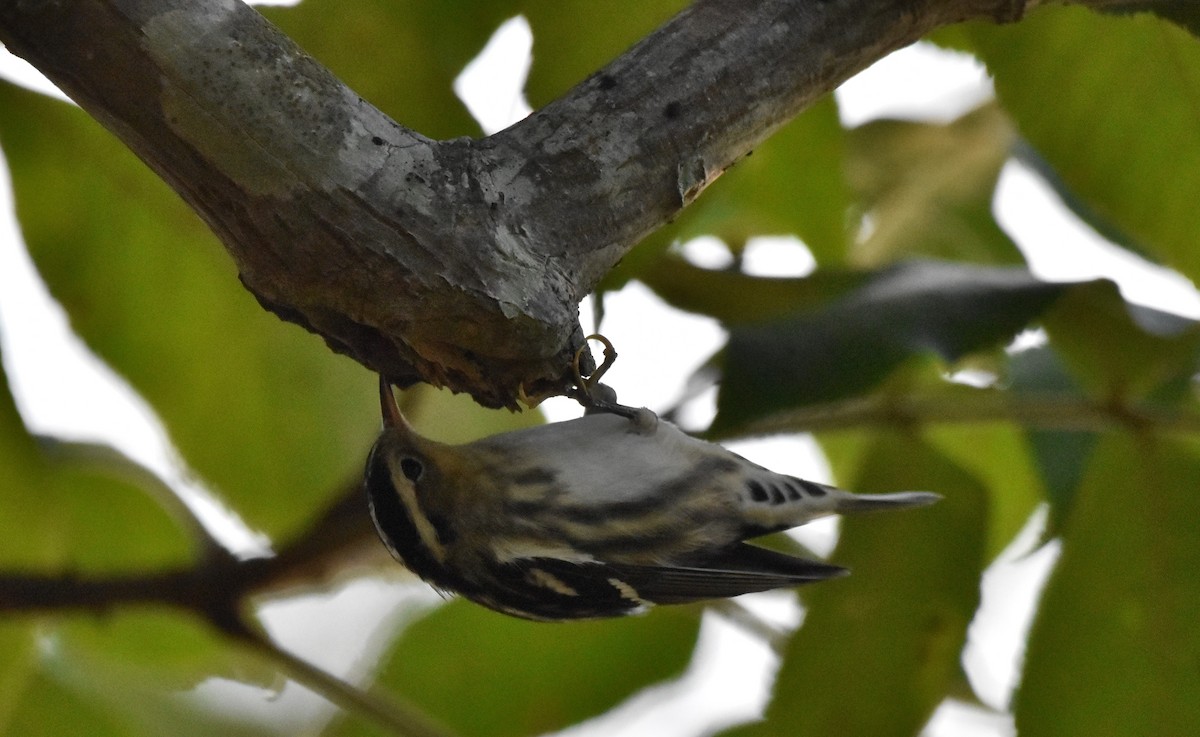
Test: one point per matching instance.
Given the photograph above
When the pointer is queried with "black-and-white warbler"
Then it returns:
(595, 517)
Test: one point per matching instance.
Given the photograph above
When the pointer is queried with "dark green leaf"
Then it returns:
(903, 312)
(1116, 643)
(22, 477)
(112, 514)
(1061, 455)
(488, 675)
(879, 650)
(35, 705)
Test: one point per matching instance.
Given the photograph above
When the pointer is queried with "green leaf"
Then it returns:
(259, 408)
(1119, 352)
(488, 675)
(452, 418)
(1082, 209)
(160, 648)
(27, 539)
(1061, 456)
(50, 685)
(49, 710)
(736, 298)
(1119, 127)
(792, 184)
(1116, 642)
(106, 513)
(18, 656)
(141, 705)
(15, 441)
(928, 188)
(574, 38)
(33, 704)
(996, 454)
(64, 509)
(879, 650)
(902, 313)
(401, 57)
(1184, 12)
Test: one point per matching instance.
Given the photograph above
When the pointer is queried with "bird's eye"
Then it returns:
(411, 468)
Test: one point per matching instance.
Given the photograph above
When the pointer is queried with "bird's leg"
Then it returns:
(603, 398)
(596, 397)
(610, 357)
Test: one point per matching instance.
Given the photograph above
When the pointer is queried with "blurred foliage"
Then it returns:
(915, 282)
(847, 648)
(524, 678)
(1133, 156)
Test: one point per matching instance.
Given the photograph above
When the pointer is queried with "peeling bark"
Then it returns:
(459, 262)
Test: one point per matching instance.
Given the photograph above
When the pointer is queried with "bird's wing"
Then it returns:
(739, 569)
(554, 588)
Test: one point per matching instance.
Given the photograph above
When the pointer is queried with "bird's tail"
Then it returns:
(871, 502)
(774, 502)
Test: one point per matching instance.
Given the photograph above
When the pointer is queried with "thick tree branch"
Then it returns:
(459, 262)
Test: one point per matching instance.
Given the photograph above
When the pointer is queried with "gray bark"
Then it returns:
(460, 262)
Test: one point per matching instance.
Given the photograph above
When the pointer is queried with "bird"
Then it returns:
(601, 516)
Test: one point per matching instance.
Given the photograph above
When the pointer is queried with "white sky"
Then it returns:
(730, 676)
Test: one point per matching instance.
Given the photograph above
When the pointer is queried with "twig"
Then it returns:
(738, 615)
(393, 713)
(1047, 412)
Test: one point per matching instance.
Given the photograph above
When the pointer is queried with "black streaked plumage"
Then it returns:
(597, 517)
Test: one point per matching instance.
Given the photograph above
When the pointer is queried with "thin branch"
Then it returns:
(338, 542)
(33, 593)
(218, 588)
(743, 618)
(1049, 412)
(393, 712)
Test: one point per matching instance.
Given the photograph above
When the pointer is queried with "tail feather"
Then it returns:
(897, 500)
(773, 502)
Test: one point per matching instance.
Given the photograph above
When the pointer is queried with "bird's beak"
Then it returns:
(389, 407)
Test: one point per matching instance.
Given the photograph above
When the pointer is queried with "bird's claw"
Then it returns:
(596, 397)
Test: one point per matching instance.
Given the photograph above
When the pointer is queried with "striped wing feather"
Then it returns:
(611, 587)
(740, 569)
